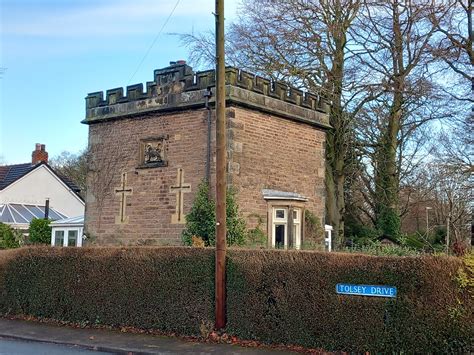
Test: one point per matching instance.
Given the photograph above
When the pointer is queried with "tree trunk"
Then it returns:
(336, 145)
(387, 179)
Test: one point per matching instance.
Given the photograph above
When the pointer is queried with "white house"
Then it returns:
(35, 190)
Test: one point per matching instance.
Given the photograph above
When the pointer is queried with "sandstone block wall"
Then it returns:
(269, 152)
(114, 148)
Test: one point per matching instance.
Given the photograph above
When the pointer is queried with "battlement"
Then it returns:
(178, 85)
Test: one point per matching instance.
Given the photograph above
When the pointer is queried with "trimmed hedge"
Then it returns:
(290, 297)
(171, 289)
(272, 296)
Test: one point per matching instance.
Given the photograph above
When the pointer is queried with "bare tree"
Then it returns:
(453, 47)
(394, 39)
(73, 167)
(304, 43)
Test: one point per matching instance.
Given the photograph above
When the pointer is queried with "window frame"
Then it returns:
(288, 206)
(66, 230)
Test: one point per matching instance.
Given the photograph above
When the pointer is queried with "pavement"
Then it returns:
(116, 342)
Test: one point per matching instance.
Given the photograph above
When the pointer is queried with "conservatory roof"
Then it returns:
(16, 213)
(72, 221)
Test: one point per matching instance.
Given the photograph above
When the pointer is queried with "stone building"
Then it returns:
(151, 149)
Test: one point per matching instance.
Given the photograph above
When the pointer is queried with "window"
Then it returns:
(280, 232)
(69, 236)
(72, 238)
(297, 228)
(280, 214)
(280, 236)
(58, 238)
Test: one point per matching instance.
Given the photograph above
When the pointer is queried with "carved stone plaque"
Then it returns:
(153, 152)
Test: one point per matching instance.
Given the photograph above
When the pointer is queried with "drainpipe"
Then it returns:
(207, 96)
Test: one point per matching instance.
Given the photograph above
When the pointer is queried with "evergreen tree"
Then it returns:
(201, 220)
(40, 231)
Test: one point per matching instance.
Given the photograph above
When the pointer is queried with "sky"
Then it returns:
(54, 52)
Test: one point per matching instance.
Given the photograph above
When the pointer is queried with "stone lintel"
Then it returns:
(195, 99)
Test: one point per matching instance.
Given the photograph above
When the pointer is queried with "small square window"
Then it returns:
(280, 214)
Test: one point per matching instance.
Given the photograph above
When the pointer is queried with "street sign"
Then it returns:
(366, 290)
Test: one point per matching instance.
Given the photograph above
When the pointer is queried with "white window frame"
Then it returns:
(66, 235)
(297, 227)
(284, 221)
(280, 221)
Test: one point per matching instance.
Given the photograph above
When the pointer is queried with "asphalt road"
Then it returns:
(20, 347)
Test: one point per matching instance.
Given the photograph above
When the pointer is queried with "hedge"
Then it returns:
(272, 296)
(171, 289)
(290, 297)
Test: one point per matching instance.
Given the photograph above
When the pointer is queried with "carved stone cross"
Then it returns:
(123, 192)
(180, 188)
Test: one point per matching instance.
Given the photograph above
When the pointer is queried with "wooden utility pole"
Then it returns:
(221, 178)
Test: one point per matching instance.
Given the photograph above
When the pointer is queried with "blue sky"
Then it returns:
(54, 52)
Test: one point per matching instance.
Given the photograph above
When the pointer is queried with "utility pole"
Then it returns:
(221, 178)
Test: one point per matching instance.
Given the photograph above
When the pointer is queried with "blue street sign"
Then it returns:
(366, 290)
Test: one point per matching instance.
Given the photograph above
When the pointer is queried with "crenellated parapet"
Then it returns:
(179, 87)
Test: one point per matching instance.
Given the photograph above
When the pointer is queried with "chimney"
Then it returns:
(39, 154)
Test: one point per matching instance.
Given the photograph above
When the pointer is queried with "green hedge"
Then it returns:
(272, 296)
(171, 289)
(290, 297)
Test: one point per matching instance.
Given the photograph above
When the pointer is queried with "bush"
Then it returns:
(377, 248)
(201, 220)
(40, 231)
(9, 237)
(235, 224)
(314, 232)
(289, 297)
(272, 296)
(170, 289)
(256, 237)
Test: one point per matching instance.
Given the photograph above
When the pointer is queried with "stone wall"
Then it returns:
(142, 143)
(150, 206)
(269, 152)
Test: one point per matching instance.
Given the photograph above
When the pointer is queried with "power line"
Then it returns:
(154, 41)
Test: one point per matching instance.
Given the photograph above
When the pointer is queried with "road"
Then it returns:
(21, 347)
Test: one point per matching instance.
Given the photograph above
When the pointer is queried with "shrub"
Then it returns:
(235, 224)
(40, 231)
(314, 232)
(256, 237)
(272, 296)
(360, 234)
(201, 220)
(170, 289)
(290, 297)
(9, 237)
(377, 248)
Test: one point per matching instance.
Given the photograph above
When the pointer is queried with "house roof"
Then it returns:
(17, 213)
(11, 173)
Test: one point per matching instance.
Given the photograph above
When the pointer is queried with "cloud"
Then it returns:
(110, 18)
